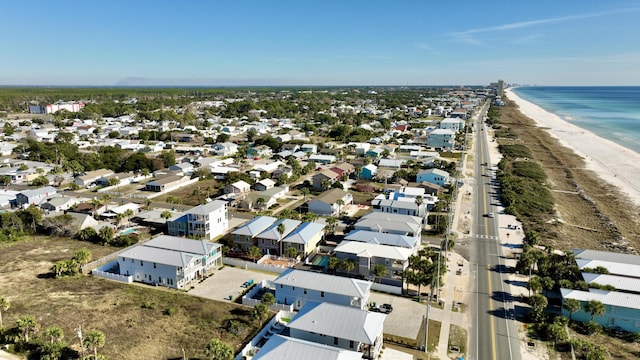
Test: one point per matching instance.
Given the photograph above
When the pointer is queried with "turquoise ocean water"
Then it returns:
(611, 112)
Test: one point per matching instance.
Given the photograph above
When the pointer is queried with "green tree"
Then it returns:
(348, 265)
(82, 256)
(106, 234)
(538, 304)
(217, 350)
(291, 252)
(304, 191)
(104, 199)
(535, 284)
(4, 306)
(331, 223)
(54, 333)
(379, 271)
(87, 234)
(255, 253)
(5, 180)
(251, 134)
(166, 215)
(260, 202)
(260, 312)
(594, 307)
(93, 340)
(571, 305)
(268, 299)
(40, 181)
(27, 324)
(334, 263)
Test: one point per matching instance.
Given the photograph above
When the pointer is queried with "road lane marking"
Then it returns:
(493, 338)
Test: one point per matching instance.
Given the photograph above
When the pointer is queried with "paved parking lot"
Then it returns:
(228, 281)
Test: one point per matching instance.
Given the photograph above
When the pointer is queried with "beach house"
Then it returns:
(170, 261)
(298, 287)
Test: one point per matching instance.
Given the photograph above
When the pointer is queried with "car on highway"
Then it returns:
(491, 214)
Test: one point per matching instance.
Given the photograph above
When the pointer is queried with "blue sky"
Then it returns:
(260, 42)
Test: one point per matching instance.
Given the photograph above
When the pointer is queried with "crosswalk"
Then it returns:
(491, 237)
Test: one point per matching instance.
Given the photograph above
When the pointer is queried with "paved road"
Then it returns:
(494, 335)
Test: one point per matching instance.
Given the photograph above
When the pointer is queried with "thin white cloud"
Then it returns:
(523, 24)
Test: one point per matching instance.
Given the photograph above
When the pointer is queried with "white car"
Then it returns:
(490, 215)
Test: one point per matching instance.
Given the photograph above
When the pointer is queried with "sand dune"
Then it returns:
(614, 163)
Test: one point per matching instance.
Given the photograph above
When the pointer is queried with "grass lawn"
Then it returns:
(194, 194)
(134, 318)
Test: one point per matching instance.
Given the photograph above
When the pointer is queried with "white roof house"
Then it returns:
(343, 326)
(324, 282)
(619, 282)
(369, 250)
(374, 237)
(288, 348)
(607, 297)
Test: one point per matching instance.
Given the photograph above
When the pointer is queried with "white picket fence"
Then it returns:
(111, 276)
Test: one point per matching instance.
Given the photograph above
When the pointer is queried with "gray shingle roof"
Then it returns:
(607, 256)
(207, 208)
(176, 243)
(323, 282)
(286, 348)
(375, 237)
(255, 226)
(303, 233)
(344, 322)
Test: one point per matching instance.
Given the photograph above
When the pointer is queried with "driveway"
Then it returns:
(228, 281)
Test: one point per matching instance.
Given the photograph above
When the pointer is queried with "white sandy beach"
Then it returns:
(614, 163)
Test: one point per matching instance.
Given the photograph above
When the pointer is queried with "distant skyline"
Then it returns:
(318, 43)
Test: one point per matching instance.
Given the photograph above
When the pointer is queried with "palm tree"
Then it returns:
(217, 350)
(4, 306)
(292, 252)
(128, 214)
(54, 333)
(331, 223)
(147, 203)
(166, 215)
(305, 191)
(255, 253)
(571, 305)
(268, 299)
(347, 265)
(334, 263)
(534, 285)
(86, 234)
(106, 234)
(281, 229)
(82, 256)
(594, 307)
(94, 339)
(95, 203)
(27, 324)
(105, 198)
(260, 202)
(339, 202)
(379, 271)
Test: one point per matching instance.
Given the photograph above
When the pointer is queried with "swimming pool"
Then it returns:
(321, 260)
(128, 231)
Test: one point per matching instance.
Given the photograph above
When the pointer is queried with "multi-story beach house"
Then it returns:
(170, 261)
(298, 287)
(441, 139)
(206, 221)
(340, 326)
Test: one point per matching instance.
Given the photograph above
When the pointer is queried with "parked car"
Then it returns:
(385, 308)
(491, 214)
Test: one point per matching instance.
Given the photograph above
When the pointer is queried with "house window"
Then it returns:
(335, 340)
(154, 265)
(281, 286)
(293, 288)
(305, 291)
(351, 344)
(321, 293)
(141, 263)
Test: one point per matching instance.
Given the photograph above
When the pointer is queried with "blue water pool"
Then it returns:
(128, 231)
(321, 260)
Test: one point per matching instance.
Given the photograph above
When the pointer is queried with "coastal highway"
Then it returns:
(494, 334)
